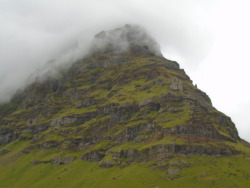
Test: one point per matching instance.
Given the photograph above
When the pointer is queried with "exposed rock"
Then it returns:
(201, 97)
(155, 82)
(118, 112)
(73, 94)
(55, 161)
(171, 64)
(49, 144)
(37, 162)
(36, 138)
(163, 152)
(151, 103)
(62, 121)
(87, 103)
(30, 101)
(205, 130)
(131, 133)
(7, 135)
(28, 149)
(93, 156)
(230, 126)
(146, 102)
(173, 171)
(28, 130)
(31, 122)
(82, 118)
(35, 129)
(108, 163)
(61, 161)
(176, 85)
(130, 38)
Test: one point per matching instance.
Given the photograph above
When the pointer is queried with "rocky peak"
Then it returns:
(122, 105)
(130, 38)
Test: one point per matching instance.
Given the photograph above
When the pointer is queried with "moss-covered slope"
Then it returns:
(119, 120)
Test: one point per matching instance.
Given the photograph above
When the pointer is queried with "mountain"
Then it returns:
(123, 116)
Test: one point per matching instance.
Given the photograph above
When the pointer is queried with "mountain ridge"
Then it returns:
(127, 110)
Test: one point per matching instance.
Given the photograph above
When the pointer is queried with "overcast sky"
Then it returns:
(209, 39)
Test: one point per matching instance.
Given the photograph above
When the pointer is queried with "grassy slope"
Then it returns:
(202, 171)
(17, 170)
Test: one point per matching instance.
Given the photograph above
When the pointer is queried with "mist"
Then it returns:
(123, 39)
(40, 36)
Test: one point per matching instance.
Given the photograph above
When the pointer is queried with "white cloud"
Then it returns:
(224, 73)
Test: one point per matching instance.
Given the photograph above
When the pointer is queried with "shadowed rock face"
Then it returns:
(123, 102)
(7, 135)
(130, 38)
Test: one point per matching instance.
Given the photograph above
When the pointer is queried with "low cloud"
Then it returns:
(40, 36)
(123, 39)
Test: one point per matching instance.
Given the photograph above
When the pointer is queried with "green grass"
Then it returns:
(168, 120)
(130, 93)
(201, 171)
(239, 146)
(8, 108)
(74, 111)
(134, 123)
(102, 145)
(143, 145)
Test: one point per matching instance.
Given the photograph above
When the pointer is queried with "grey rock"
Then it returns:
(93, 156)
(61, 161)
(62, 121)
(36, 138)
(7, 135)
(151, 103)
(163, 152)
(37, 162)
(31, 122)
(145, 102)
(176, 85)
(204, 130)
(131, 133)
(201, 97)
(86, 103)
(73, 94)
(108, 163)
(49, 144)
(155, 82)
(171, 64)
(34, 129)
(118, 112)
(28, 130)
(130, 38)
(30, 101)
(173, 171)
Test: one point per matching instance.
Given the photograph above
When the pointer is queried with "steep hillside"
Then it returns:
(119, 118)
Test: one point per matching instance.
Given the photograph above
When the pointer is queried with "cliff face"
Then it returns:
(116, 109)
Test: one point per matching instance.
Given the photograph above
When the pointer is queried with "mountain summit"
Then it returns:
(128, 39)
(124, 116)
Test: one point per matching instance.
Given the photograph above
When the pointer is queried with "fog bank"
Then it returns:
(38, 36)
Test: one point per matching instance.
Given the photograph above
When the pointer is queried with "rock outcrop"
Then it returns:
(7, 135)
(123, 102)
